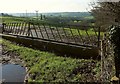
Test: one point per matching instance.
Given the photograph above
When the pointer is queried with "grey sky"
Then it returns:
(44, 5)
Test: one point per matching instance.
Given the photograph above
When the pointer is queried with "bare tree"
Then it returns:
(106, 14)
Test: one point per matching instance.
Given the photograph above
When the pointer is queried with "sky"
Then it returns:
(43, 6)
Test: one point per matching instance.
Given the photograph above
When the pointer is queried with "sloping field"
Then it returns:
(47, 67)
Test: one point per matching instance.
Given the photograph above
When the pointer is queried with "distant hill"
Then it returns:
(64, 14)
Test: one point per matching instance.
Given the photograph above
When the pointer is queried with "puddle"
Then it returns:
(12, 73)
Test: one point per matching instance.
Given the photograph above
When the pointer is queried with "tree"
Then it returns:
(106, 14)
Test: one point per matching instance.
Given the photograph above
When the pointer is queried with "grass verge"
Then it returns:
(47, 67)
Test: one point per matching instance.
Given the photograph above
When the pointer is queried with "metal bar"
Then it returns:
(10, 27)
(4, 27)
(95, 31)
(24, 28)
(58, 33)
(35, 30)
(31, 33)
(80, 35)
(87, 35)
(29, 30)
(19, 28)
(22, 24)
(40, 31)
(65, 34)
(7, 27)
(28, 33)
(16, 28)
(72, 34)
(46, 31)
(13, 27)
(52, 32)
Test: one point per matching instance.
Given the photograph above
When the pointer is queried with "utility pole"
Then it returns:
(1, 17)
(36, 14)
(26, 13)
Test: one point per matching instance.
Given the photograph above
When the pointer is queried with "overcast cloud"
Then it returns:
(44, 5)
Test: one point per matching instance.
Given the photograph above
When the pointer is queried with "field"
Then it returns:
(48, 67)
(8, 19)
(76, 32)
(80, 35)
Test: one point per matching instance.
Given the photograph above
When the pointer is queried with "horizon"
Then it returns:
(47, 12)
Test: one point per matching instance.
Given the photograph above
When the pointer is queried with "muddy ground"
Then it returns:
(8, 56)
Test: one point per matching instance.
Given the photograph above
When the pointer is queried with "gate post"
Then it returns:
(99, 37)
(103, 59)
(3, 27)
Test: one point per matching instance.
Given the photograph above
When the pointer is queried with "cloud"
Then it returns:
(43, 5)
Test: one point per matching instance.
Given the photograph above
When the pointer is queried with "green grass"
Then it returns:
(76, 32)
(45, 67)
(11, 19)
(89, 17)
(0, 40)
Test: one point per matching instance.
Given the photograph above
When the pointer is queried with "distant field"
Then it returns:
(11, 19)
(77, 32)
(48, 67)
(71, 32)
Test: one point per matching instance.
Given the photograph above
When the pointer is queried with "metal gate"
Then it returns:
(68, 34)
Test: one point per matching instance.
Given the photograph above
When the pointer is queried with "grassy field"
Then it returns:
(76, 32)
(47, 67)
(11, 19)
